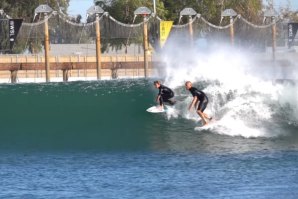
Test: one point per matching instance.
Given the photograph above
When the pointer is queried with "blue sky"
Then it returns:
(284, 3)
(81, 6)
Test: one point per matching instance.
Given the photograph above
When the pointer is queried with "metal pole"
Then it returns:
(190, 30)
(273, 38)
(232, 30)
(146, 50)
(98, 48)
(46, 48)
(154, 6)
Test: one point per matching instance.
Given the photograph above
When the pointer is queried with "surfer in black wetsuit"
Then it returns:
(164, 94)
(198, 97)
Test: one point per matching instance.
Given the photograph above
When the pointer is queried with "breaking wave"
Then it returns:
(245, 97)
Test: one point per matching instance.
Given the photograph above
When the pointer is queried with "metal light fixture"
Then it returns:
(270, 14)
(228, 13)
(144, 11)
(43, 9)
(188, 12)
(94, 10)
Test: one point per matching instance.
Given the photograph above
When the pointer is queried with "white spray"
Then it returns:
(244, 99)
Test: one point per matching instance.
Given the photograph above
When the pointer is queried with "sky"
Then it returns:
(284, 3)
(81, 6)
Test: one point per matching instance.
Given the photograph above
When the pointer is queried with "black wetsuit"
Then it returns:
(202, 97)
(165, 94)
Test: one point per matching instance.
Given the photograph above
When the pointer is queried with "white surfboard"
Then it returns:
(155, 109)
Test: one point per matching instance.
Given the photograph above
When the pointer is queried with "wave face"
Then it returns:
(85, 115)
(110, 115)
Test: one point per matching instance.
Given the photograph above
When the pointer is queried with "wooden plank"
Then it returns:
(75, 65)
(40, 59)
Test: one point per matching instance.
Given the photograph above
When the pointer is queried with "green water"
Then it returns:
(83, 115)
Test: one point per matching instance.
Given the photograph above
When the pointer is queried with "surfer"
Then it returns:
(164, 94)
(198, 97)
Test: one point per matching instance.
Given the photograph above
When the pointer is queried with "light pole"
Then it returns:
(154, 6)
(45, 9)
(144, 11)
(189, 12)
(97, 10)
(230, 13)
(272, 14)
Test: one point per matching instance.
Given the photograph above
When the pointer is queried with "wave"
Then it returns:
(83, 115)
(245, 98)
(111, 116)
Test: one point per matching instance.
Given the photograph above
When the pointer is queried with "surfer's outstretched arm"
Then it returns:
(194, 100)
(157, 98)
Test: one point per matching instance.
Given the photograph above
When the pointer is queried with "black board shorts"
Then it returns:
(165, 98)
(203, 104)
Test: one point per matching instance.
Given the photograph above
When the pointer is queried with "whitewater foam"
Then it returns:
(243, 103)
